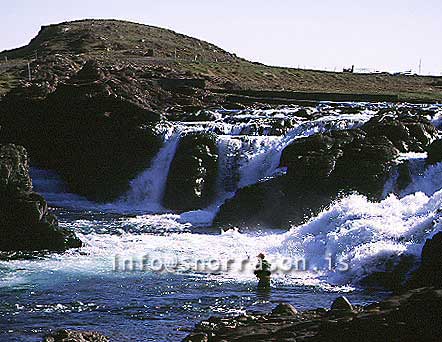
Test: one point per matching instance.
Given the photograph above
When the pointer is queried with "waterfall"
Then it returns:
(147, 189)
(248, 153)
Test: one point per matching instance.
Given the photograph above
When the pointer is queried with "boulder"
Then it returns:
(365, 165)
(75, 336)
(284, 309)
(25, 221)
(313, 159)
(274, 203)
(434, 152)
(191, 183)
(341, 304)
(406, 132)
(429, 272)
(197, 337)
(324, 166)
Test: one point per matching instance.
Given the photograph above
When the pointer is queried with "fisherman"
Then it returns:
(262, 272)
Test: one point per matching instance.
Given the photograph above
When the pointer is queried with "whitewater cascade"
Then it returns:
(246, 156)
(353, 229)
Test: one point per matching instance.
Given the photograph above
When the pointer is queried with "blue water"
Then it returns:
(78, 292)
(80, 289)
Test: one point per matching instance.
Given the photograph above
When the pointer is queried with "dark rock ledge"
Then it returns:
(25, 221)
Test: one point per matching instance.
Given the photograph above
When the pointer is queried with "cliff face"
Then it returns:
(25, 222)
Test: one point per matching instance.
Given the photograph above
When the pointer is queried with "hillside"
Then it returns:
(59, 51)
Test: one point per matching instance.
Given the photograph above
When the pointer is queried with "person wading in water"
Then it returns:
(262, 272)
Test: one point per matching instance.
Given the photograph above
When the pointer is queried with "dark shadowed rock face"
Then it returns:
(435, 152)
(406, 132)
(429, 272)
(284, 309)
(323, 166)
(89, 130)
(342, 304)
(191, 183)
(392, 272)
(25, 222)
(412, 316)
(75, 336)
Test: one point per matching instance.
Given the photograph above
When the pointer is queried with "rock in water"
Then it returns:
(435, 152)
(75, 336)
(429, 272)
(324, 166)
(284, 309)
(25, 222)
(412, 316)
(342, 304)
(192, 176)
(197, 337)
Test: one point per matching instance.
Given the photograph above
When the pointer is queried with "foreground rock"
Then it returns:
(25, 222)
(429, 272)
(413, 316)
(324, 166)
(75, 336)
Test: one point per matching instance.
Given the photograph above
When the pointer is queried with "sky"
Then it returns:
(387, 35)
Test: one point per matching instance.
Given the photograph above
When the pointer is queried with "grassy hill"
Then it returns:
(62, 49)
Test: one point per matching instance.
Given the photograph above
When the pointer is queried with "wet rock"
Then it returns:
(407, 132)
(412, 316)
(435, 152)
(14, 169)
(322, 167)
(429, 272)
(391, 272)
(75, 336)
(284, 309)
(342, 304)
(197, 337)
(25, 222)
(365, 165)
(314, 158)
(191, 183)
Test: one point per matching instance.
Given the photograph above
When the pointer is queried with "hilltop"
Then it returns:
(60, 50)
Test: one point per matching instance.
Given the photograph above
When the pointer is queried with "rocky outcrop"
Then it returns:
(89, 130)
(324, 166)
(413, 316)
(191, 183)
(25, 222)
(75, 336)
(406, 132)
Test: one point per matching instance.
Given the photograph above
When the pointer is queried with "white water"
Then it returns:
(244, 160)
(353, 230)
